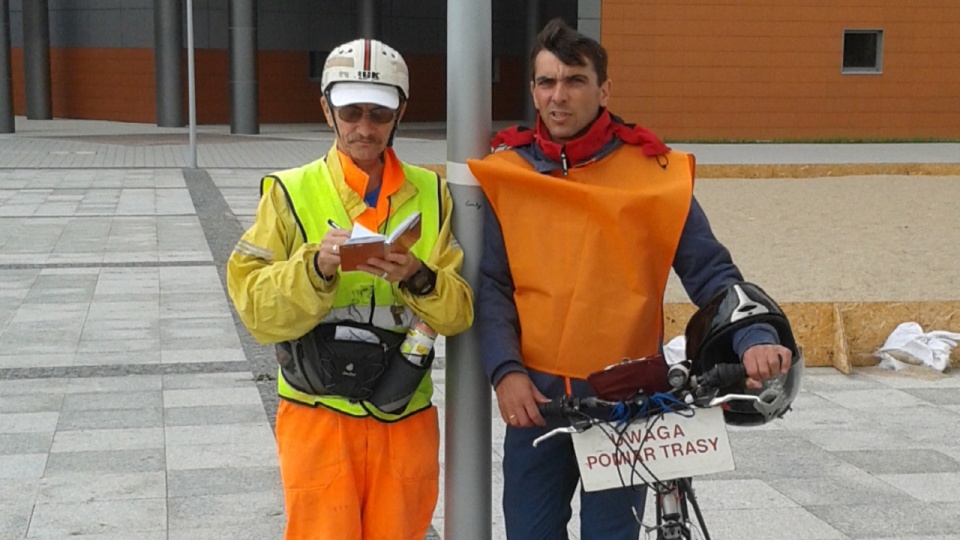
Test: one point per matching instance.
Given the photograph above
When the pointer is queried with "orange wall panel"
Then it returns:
(103, 84)
(756, 70)
(119, 84)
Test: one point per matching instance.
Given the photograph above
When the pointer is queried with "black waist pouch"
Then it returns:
(345, 359)
(400, 382)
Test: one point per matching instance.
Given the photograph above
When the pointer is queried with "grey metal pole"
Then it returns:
(36, 59)
(191, 88)
(467, 485)
(168, 54)
(244, 95)
(367, 18)
(533, 28)
(7, 123)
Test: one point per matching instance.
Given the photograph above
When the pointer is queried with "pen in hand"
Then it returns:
(333, 224)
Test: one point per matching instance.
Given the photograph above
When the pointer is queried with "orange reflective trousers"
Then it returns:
(347, 478)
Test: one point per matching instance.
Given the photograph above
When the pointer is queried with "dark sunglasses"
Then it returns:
(378, 115)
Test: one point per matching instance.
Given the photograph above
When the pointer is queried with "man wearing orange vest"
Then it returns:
(358, 437)
(588, 216)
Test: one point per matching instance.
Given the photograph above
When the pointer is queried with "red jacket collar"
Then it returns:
(588, 145)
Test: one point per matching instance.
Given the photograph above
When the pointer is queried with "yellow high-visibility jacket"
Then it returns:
(274, 284)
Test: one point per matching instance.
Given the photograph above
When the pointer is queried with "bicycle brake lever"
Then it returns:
(734, 397)
(577, 428)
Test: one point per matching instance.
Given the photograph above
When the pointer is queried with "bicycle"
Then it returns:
(689, 394)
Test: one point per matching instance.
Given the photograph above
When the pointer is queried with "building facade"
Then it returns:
(701, 70)
(103, 65)
(786, 69)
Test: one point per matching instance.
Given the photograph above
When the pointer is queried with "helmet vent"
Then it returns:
(745, 307)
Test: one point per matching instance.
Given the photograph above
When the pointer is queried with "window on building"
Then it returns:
(862, 51)
(315, 61)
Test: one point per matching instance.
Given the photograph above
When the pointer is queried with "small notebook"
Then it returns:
(365, 244)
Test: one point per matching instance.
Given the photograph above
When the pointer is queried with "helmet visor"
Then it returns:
(358, 93)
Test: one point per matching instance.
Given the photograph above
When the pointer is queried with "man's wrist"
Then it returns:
(422, 282)
(316, 268)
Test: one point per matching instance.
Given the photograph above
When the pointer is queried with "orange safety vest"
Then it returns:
(589, 253)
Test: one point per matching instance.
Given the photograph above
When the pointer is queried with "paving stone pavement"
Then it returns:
(134, 405)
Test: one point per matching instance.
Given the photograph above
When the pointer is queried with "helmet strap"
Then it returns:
(396, 122)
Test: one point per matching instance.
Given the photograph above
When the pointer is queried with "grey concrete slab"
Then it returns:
(32, 422)
(924, 423)
(227, 434)
(25, 443)
(32, 386)
(131, 346)
(175, 381)
(111, 308)
(90, 440)
(15, 519)
(908, 517)
(30, 403)
(760, 455)
(199, 355)
(222, 481)
(930, 486)
(223, 510)
(852, 487)
(116, 358)
(262, 454)
(22, 465)
(271, 527)
(199, 333)
(112, 400)
(122, 517)
(111, 419)
(201, 397)
(866, 436)
(901, 461)
(194, 305)
(135, 460)
(936, 396)
(18, 490)
(120, 329)
(98, 487)
(739, 495)
(870, 399)
(128, 383)
(767, 523)
(214, 414)
(140, 535)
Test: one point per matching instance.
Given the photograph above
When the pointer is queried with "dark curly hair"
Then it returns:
(571, 47)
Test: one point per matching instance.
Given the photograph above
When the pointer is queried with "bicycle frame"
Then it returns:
(673, 517)
(672, 496)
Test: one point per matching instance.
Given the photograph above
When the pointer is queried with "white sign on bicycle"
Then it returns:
(675, 446)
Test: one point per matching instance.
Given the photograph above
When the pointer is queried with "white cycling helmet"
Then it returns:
(366, 71)
(369, 62)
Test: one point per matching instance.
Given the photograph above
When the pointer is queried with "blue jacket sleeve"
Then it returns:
(705, 268)
(496, 319)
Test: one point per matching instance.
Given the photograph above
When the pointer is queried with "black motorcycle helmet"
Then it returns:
(709, 341)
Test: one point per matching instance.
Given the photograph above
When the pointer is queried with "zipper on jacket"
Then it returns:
(563, 160)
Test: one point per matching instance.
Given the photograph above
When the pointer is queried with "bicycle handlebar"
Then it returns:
(720, 376)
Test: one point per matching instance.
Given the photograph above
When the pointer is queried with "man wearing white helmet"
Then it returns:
(354, 465)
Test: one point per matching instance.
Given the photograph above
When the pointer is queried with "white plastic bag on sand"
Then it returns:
(675, 351)
(909, 344)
